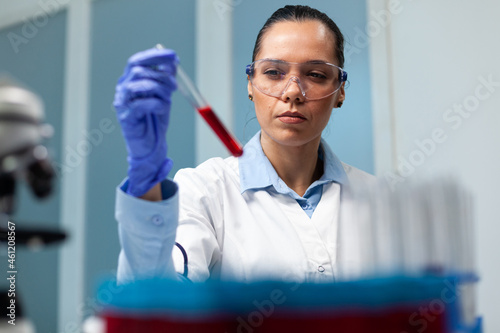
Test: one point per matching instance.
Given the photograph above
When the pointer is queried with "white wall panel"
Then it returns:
(443, 54)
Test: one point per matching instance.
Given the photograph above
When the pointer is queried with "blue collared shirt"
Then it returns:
(256, 172)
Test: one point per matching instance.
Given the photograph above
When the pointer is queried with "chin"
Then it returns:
(292, 138)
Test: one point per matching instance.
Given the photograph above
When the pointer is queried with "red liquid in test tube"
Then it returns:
(227, 139)
(189, 90)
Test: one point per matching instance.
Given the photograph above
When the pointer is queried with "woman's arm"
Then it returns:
(147, 232)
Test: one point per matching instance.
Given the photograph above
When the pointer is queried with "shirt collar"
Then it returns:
(256, 172)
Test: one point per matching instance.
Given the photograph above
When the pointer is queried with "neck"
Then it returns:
(298, 166)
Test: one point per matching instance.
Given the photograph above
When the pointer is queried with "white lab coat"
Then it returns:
(257, 235)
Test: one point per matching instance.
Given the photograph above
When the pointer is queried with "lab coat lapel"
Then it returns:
(326, 217)
(318, 234)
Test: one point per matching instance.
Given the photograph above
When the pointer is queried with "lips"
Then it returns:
(292, 114)
(290, 117)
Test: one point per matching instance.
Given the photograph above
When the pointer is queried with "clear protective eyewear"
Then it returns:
(316, 79)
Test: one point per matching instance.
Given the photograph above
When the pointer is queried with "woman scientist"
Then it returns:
(271, 214)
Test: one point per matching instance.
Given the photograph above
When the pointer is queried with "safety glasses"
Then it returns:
(316, 79)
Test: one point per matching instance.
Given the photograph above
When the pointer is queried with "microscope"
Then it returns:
(22, 158)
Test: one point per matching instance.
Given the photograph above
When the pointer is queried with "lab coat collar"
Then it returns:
(256, 172)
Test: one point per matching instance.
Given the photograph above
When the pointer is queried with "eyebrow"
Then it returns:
(315, 61)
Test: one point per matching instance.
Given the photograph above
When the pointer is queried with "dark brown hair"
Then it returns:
(299, 14)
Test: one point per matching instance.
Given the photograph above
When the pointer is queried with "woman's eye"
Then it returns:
(274, 73)
(317, 75)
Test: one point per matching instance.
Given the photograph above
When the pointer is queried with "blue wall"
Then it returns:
(349, 132)
(38, 65)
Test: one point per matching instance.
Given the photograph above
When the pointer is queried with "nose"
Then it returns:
(293, 91)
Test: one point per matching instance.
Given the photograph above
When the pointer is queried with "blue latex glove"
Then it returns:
(142, 101)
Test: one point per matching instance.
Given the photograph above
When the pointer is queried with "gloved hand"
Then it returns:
(142, 101)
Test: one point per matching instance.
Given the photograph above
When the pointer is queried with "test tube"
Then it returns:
(189, 90)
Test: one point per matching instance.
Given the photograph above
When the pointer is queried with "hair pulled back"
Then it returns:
(300, 14)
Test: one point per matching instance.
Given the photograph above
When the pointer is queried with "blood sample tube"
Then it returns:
(189, 90)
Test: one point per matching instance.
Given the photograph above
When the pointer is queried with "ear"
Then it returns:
(341, 94)
(249, 87)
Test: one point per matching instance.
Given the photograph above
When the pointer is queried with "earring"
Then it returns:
(339, 105)
(250, 97)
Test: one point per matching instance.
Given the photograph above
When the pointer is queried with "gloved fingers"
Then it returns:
(136, 91)
(142, 101)
(143, 107)
(137, 73)
(166, 59)
(147, 88)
